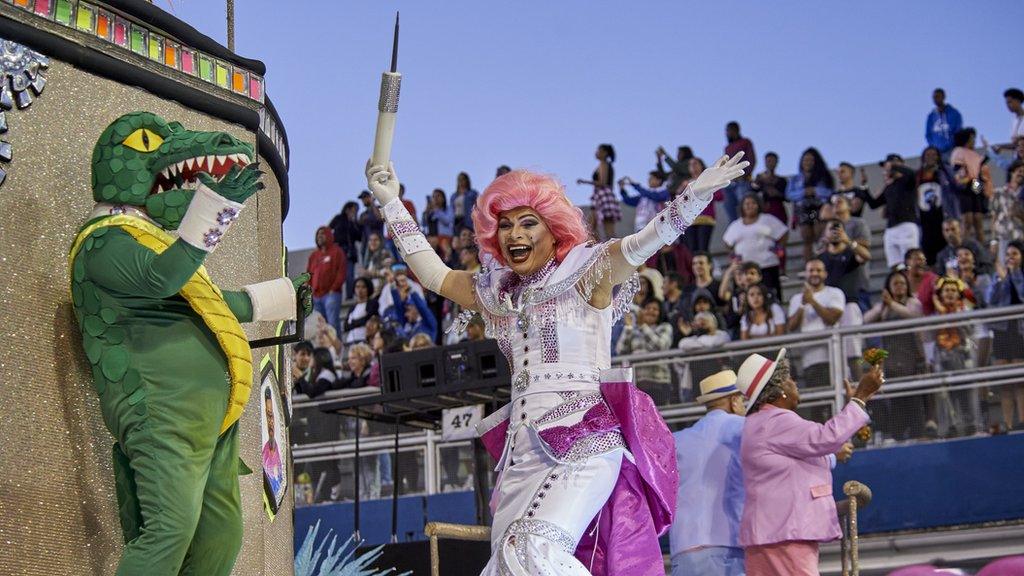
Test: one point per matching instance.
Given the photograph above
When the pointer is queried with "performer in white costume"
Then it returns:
(577, 444)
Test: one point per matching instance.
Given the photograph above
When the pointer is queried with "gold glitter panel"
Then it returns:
(57, 502)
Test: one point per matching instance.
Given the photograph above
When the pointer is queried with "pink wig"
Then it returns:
(525, 189)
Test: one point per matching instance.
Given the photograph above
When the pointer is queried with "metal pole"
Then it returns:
(358, 473)
(430, 481)
(481, 467)
(395, 485)
(844, 545)
(837, 360)
(231, 25)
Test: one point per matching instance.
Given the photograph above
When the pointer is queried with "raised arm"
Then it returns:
(793, 436)
(629, 253)
(425, 312)
(433, 274)
(795, 320)
(627, 199)
(728, 278)
(125, 266)
(828, 315)
(659, 196)
(798, 438)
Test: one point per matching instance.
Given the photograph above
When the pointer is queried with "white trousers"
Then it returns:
(543, 506)
(898, 239)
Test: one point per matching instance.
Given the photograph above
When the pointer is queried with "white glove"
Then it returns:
(408, 238)
(718, 176)
(681, 211)
(272, 300)
(207, 219)
(382, 182)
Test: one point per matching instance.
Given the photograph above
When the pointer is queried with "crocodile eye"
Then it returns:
(143, 140)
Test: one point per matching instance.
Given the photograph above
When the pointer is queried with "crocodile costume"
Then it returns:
(170, 362)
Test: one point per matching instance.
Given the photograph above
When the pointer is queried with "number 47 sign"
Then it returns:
(460, 423)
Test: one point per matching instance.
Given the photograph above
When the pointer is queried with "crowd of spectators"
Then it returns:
(952, 242)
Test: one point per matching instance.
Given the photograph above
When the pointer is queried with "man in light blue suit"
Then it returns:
(704, 537)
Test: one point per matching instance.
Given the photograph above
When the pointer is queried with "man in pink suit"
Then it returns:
(787, 468)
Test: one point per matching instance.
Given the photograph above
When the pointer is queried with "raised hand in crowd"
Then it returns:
(886, 297)
(808, 294)
(1000, 270)
(684, 327)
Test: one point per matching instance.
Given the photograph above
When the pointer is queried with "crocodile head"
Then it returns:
(143, 160)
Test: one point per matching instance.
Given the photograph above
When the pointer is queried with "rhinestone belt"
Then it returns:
(524, 379)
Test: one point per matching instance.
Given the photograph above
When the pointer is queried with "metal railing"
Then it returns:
(918, 363)
(924, 399)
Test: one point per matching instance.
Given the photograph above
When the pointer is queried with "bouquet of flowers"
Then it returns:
(874, 356)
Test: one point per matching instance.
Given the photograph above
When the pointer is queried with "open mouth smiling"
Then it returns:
(184, 174)
(519, 253)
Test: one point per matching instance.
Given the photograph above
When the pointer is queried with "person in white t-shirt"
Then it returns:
(754, 236)
(1015, 104)
(817, 308)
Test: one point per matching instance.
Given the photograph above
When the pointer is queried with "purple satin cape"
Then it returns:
(643, 501)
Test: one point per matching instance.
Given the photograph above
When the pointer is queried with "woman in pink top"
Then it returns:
(974, 182)
(787, 468)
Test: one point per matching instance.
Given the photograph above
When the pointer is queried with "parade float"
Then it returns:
(73, 71)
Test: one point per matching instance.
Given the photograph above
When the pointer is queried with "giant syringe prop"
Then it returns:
(387, 108)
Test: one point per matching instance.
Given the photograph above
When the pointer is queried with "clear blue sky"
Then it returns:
(539, 84)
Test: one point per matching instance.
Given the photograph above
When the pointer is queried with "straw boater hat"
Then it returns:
(755, 372)
(718, 386)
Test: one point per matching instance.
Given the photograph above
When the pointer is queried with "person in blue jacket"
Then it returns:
(648, 200)
(462, 202)
(943, 121)
(415, 318)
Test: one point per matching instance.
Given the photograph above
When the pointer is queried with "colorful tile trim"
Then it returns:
(97, 19)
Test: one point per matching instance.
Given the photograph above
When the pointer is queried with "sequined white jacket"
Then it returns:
(553, 339)
(556, 343)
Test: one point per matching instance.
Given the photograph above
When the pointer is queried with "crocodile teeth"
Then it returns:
(190, 163)
(209, 162)
(166, 173)
(181, 166)
(221, 159)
